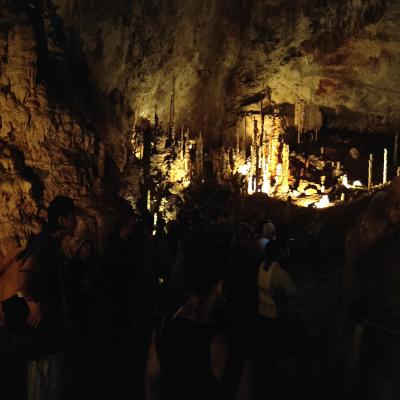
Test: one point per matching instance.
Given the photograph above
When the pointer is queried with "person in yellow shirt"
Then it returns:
(273, 284)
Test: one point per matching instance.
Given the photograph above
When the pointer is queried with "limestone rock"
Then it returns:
(342, 56)
(44, 150)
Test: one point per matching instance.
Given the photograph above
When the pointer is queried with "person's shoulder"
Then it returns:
(40, 243)
(281, 268)
(277, 270)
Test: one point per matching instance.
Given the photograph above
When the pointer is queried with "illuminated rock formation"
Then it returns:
(199, 157)
(175, 161)
(44, 150)
(268, 168)
(300, 118)
(342, 55)
(221, 58)
(307, 117)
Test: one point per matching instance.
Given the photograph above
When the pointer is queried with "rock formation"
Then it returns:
(340, 55)
(78, 75)
(44, 150)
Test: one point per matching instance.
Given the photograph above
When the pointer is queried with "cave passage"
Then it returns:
(199, 199)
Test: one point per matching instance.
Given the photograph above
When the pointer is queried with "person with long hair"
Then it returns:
(187, 353)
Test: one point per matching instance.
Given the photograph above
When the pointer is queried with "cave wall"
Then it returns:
(77, 75)
(44, 149)
(342, 55)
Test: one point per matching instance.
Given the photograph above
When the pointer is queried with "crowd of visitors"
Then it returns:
(192, 309)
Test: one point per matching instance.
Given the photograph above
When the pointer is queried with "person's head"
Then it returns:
(269, 230)
(244, 233)
(204, 267)
(61, 216)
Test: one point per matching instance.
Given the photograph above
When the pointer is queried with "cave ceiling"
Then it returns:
(342, 55)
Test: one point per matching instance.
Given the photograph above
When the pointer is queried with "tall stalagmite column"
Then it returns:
(244, 134)
(172, 112)
(385, 162)
(370, 167)
(257, 153)
(285, 168)
(199, 157)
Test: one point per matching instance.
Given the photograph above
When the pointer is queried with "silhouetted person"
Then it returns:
(41, 306)
(81, 282)
(272, 280)
(313, 235)
(242, 296)
(122, 259)
(187, 354)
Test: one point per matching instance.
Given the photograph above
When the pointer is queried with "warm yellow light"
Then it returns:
(244, 168)
(323, 202)
(345, 182)
(249, 186)
(266, 186)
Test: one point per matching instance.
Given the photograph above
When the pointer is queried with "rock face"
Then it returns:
(44, 150)
(341, 55)
(77, 75)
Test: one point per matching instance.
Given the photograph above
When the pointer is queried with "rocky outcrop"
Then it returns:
(44, 150)
(226, 55)
(113, 62)
(341, 55)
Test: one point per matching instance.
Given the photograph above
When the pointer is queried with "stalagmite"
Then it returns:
(257, 154)
(385, 161)
(148, 202)
(285, 168)
(250, 185)
(299, 118)
(396, 151)
(336, 171)
(266, 186)
(370, 167)
(323, 183)
(199, 157)
(172, 111)
(244, 134)
(261, 133)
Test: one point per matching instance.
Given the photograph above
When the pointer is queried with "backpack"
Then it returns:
(16, 340)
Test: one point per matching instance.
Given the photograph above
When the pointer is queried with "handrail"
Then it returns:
(382, 328)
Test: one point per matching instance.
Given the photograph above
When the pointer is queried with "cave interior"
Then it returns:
(219, 113)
